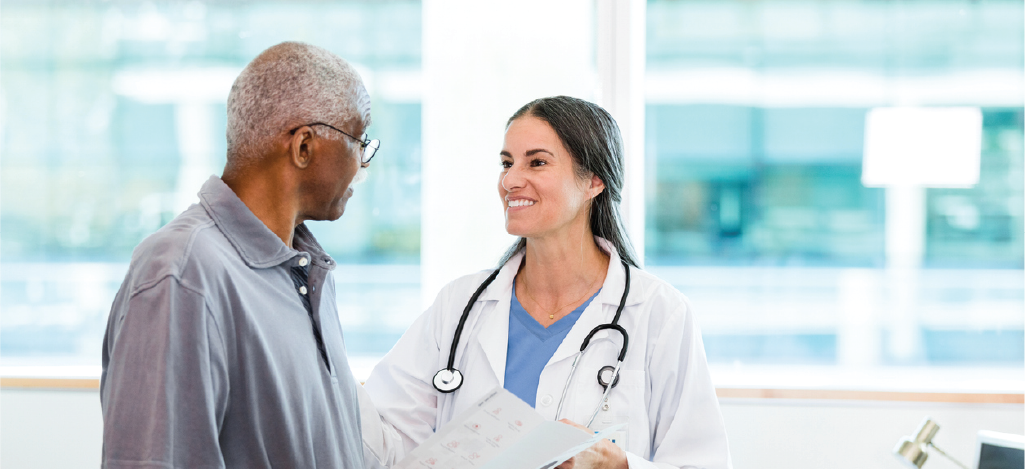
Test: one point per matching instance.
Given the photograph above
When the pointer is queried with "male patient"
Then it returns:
(223, 346)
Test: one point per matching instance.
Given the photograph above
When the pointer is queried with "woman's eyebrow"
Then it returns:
(529, 152)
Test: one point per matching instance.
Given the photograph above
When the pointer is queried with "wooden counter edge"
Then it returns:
(49, 383)
(723, 392)
(859, 395)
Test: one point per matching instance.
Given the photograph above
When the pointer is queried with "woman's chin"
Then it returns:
(516, 229)
(519, 230)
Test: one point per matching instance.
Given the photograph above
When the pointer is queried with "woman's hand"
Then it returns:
(603, 454)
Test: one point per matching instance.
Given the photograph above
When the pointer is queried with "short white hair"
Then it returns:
(289, 85)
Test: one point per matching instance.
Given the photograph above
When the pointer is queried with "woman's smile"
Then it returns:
(521, 203)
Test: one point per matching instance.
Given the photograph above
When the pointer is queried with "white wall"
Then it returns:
(778, 434)
(481, 62)
(44, 429)
(63, 430)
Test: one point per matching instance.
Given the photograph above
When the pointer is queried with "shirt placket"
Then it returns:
(308, 294)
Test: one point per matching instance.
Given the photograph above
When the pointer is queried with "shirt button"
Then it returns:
(302, 290)
(546, 400)
(303, 261)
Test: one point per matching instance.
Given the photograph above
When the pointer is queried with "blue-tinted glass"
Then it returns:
(755, 133)
(113, 114)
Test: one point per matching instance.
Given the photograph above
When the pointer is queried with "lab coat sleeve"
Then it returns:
(379, 438)
(686, 424)
(398, 403)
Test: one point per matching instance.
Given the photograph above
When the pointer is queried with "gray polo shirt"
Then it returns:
(209, 358)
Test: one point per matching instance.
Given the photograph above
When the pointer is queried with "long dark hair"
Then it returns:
(593, 139)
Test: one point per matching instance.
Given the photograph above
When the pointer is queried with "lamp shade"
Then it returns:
(911, 453)
(927, 147)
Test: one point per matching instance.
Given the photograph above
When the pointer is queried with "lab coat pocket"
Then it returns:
(625, 405)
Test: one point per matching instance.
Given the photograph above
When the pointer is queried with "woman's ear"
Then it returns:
(597, 185)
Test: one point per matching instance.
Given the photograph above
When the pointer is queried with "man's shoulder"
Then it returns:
(190, 241)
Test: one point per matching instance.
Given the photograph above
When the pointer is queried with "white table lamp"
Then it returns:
(912, 451)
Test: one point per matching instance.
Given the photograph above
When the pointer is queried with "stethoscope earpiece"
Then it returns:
(446, 380)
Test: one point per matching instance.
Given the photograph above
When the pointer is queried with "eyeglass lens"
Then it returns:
(369, 149)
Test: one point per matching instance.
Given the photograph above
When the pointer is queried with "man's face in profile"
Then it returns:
(333, 169)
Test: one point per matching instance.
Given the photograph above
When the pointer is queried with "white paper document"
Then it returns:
(501, 432)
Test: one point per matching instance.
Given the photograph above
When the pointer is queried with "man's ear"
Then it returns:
(300, 150)
(597, 185)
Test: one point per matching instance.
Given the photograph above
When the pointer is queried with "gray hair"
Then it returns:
(593, 139)
(289, 85)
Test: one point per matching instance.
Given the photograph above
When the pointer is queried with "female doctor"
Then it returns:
(522, 326)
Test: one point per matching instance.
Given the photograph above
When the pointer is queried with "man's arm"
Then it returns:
(165, 383)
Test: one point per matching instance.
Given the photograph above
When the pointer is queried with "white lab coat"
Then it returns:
(665, 394)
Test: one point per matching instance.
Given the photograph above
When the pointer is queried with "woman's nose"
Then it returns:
(512, 178)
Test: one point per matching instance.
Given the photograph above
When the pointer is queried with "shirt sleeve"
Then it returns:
(164, 385)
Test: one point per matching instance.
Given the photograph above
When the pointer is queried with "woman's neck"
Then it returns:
(556, 272)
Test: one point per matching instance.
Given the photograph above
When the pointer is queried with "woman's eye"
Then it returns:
(507, 164)
(538, 162)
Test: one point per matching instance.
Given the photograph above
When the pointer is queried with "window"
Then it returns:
(754, 134)
(114, 116)
(755, 125)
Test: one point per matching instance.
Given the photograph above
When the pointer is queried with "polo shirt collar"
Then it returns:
(256, 244)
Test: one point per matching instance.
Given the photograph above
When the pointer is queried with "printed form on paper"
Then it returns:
(501, 432)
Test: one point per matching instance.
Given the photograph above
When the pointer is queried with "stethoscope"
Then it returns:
(449, 379)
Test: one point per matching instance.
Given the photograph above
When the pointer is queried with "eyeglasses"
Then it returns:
(367, 147)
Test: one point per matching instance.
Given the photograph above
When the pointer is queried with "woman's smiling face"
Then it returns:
(539, 186)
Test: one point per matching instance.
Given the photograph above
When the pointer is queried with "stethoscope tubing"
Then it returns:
(455, 379)
(565, 387)
(466, 314)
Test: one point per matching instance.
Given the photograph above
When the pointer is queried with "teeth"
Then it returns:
(520, 203)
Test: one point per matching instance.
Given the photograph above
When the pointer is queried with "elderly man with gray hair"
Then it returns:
(223, 347)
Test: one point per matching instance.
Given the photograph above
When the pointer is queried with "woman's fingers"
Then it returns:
(574, 424)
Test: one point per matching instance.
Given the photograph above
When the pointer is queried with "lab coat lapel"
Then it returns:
(494, 338)
(494, 330)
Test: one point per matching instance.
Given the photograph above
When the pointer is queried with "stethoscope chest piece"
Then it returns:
(446, 380)
(449, 379)
(605, 374)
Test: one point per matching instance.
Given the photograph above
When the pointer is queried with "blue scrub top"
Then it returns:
(531, 345)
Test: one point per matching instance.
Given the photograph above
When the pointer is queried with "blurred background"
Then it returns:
(756, 208)
(113, 115)
(762, 146)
